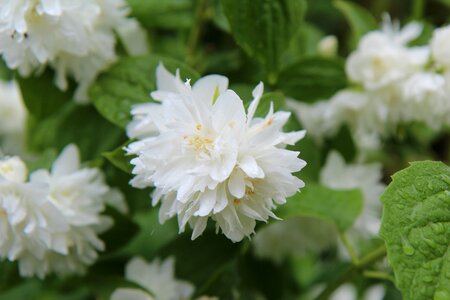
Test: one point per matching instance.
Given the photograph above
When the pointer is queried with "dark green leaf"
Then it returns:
(153, 235)
(416, 228)
(201, 259)
(123, 230)
(313, 79)
(81, 125)
(360, 19)
(40, 95)
(5, 73)
(264, 30)
(169, 14)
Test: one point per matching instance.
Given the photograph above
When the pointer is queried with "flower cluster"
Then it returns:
(398, 84)
(76, 38)
(51, 222)
(157, 280)
(209, 158)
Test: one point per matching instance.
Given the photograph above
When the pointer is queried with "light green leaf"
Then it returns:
(129, 82)
(312, 79)
(360, 19)
(416, 228)
(339, 207)
(264, 30)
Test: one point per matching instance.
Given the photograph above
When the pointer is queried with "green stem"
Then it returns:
(348, 246)
(418, 9)
(378, 275)
(196, 30)
(351, 271)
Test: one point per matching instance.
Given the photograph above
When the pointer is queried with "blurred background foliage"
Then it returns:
(197, 33)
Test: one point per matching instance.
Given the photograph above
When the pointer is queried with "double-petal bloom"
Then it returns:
(208, 157)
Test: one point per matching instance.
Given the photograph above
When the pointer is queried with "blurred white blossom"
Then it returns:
(292, 237)
(383, 58)
(76, 38)
(348, 292)
(337, 174)
(399, 86)
(209, 158)
(12, 118)
(157, 280)
(80, 194)
(53, 221)
(440, 46)
(30, 225)
(328, 46)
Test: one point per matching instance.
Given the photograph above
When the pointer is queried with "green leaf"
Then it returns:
(153, 235)
(360, 19)
(200, 260)
(118, 158)
(81, 125)
(305, 43)
(40, 95)
(313, 79)
(416, 228)
(129, 82)
(123, 230)
(168, 14)
(5, 72)
(339, 207)
(276, 98)
(264, 30)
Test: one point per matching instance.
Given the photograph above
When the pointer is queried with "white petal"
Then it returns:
(228, 111)
(67, 162)
(208, 87)
(166, 81)
(207, 202)
(236, 184)
(257, 94)
(249, 165)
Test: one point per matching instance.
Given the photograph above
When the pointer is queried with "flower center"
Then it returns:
(199, 142)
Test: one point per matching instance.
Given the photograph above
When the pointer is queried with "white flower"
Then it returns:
(336, 174)
(12, 117)
(293, 237)
(81, 43)
(425, 98)
(30, 226)
(157, 278)
(348, 292)
(328, 46)
(13, 169)
(440, 46)
(324, 118)
(382, 57)
(207, 157)
(80, 195)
